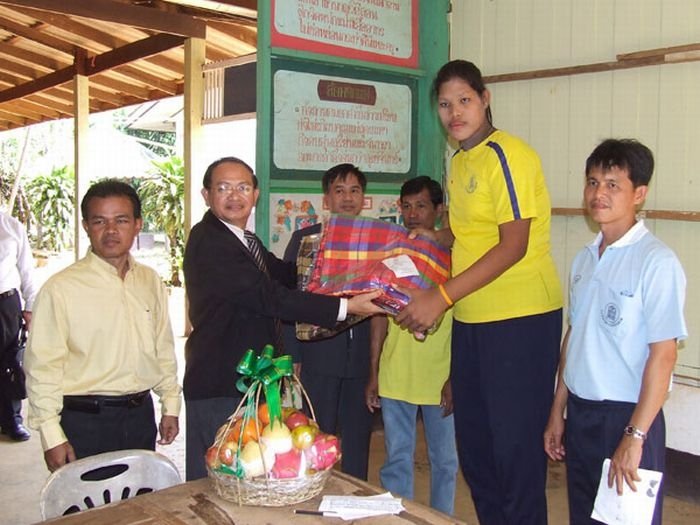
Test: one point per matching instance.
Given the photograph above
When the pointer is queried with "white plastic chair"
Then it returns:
(73, 487)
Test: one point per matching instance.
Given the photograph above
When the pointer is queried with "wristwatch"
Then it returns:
(631, 430)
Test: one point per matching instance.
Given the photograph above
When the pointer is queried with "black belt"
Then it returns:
(93, 404)
(8, 293)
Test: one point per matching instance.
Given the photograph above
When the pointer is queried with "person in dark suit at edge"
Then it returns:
(334, 371)
(234, 303)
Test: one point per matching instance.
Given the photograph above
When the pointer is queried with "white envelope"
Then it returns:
(632, 508)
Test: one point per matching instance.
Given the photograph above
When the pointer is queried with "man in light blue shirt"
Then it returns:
(626, 296)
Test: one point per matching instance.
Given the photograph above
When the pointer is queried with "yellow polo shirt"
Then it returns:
(96, 334)
(414, 371)
(498, 181)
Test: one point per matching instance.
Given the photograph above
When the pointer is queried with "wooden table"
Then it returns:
(196, 503)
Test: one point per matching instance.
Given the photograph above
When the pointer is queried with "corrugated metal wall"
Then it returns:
(564, 117)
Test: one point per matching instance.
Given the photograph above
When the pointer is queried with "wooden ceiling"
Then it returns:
(132, 50)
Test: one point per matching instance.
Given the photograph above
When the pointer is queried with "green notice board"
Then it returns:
(328, 114)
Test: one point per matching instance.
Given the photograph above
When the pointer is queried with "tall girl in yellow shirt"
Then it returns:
(507, 304)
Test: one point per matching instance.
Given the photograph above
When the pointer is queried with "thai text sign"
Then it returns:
(374, 30)
(321, 120)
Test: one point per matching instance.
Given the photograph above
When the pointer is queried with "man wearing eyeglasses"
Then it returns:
(236, 302)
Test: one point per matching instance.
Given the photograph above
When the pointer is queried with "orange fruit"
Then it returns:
(249, 431)
(263, 415)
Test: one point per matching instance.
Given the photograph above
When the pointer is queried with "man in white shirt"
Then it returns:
(16, 266)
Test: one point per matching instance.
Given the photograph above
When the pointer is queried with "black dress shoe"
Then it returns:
(17, 433)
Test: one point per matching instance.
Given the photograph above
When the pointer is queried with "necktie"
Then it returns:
(255, 249)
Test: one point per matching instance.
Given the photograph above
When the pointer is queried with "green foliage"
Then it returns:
(51, 199)
(152, 139)
(162, 202)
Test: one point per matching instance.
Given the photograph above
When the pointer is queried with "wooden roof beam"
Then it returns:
(27, 88)
(131, 15)
(248, 35)
(81, 29)
(25, 72)
(50, 103)
(54, 44)
(12, 117)
(137, 74)
(93, 65)
(120, 86)
(100, 37)
(130, 52)
(49, 63)
(35, 110)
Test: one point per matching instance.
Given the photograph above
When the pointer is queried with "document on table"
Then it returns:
(356, 507)
(632, 508)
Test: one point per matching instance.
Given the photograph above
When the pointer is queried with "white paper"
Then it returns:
(401, 265)
(632, 508)
(356, 507)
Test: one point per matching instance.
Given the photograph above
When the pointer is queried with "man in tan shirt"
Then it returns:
(101, 341)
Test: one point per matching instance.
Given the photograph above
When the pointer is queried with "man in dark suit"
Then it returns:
(334, 371)
(234, 302)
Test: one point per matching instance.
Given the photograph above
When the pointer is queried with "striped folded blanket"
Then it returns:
(360, 254)
(355, 255)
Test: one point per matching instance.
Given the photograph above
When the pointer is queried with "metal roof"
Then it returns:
(132, 50)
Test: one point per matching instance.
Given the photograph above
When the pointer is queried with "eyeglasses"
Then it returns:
(226, 189)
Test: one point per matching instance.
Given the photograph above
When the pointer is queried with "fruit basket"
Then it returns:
(266, 454)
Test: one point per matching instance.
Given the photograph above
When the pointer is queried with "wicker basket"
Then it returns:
(268, 492)
(264, 490)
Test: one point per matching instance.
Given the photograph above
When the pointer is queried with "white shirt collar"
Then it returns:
(238, 232)
(636, 232)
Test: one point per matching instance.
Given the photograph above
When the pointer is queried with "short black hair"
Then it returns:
(625, 154)
(420, 183)
(341, 171)
(110, 188)
(206, 181)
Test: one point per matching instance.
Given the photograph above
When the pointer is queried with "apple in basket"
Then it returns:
(324, 452)
(303, 436)
(277, 437)
(296, 419)
(289, 464)
(227, 452)
(212, 457)
(256, 459)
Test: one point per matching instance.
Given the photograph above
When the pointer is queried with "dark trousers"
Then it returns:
(502, 377)
(593, 432)
(339, 405)
(10, 326)
(112, 428)
(203, 418)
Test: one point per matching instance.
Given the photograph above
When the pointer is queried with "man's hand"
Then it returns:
(423, 311)
(362, 304)
(446, 398)
(624, 464)
(372, 394)
(554, 436)
(59, 455)
(169, 429)
(444, 236)
(423, 232)
(27, 319)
